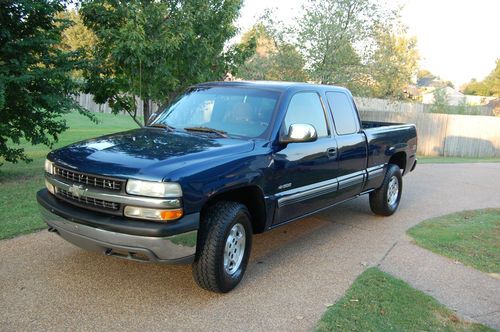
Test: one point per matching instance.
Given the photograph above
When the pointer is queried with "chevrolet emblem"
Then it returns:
(77, 190)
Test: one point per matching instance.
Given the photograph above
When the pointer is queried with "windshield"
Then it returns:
(234, 111)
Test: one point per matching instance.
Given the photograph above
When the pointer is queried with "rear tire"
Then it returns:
(385, 200)
(224, 244)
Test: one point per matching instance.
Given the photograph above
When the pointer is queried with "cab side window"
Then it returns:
(306, 108)
(344, 116)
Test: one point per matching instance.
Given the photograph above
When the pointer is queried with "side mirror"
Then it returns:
(299, 133)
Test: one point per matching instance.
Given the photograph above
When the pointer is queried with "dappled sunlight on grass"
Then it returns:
(379, 302)
(20, 182)
(470, 237)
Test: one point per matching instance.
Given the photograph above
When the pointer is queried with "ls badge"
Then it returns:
(284, 186)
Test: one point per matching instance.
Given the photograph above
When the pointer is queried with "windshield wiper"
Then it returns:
(221, 133)
(162, 125)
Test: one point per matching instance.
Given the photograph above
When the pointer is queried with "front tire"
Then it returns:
(224, 244)
(385, 200)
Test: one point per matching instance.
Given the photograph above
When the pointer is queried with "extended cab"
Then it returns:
(224, 161)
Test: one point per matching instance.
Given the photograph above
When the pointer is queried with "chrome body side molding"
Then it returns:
(303, 193)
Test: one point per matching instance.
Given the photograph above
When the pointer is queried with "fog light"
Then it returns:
(152, 214)
(50, 187)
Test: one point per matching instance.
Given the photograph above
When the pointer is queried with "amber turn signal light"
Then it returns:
(152, 214)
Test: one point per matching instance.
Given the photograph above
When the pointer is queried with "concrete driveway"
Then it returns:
(295, 271)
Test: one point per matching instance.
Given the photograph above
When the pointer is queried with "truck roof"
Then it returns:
(274, 85)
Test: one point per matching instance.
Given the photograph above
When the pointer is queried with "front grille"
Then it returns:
(88, 202)
(94, 181)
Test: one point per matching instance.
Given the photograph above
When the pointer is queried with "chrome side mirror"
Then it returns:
(298, 133)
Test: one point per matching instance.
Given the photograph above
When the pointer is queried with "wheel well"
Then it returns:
(252, 197)
(399, 159)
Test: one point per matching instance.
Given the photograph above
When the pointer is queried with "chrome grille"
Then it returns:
(94, 181)
(88, 201)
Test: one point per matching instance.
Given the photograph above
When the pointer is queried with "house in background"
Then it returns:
(455, 97)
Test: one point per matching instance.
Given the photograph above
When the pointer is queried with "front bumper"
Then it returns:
(173, 244)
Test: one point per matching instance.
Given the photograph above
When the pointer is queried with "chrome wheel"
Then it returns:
(392, 191)
(235, 248)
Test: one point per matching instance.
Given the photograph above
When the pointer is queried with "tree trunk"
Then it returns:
(146, 110)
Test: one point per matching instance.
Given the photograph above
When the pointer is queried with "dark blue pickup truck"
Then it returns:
(224, 161)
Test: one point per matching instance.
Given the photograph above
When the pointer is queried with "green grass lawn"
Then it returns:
(19, 182)
(379, 302)
(455, 160)
(471, 237)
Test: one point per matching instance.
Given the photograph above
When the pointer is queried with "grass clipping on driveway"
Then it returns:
(471, 237)
(379, 302)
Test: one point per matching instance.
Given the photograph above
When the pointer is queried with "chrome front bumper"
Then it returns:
(175, 249)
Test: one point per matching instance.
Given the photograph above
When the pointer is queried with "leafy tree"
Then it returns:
(441, 103)
(393, 64)
(35, 80)
(477, 88)
(425, 77)
(258, 65)
(155, 49)
(77, 36)
(288, 64)
(337, 37)
(274, 59)
(490, 86)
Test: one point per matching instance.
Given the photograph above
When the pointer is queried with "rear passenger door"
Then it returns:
(351, 145)
(304, 172)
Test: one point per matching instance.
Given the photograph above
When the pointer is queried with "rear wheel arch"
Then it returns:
(399, 159)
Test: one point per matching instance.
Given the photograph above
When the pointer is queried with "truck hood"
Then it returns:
(147, 153)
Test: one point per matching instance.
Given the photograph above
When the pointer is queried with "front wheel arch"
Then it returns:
(251, 196)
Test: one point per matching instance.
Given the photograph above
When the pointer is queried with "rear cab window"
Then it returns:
(344, 115)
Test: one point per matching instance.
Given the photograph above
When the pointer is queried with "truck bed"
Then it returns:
(388, 138)
(377, 124)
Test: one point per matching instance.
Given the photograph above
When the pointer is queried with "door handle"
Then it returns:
(331, 152)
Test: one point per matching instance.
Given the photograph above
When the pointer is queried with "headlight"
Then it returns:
(152, 214)
(49, 166)
(154, 189)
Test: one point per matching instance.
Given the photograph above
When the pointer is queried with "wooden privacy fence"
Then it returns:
(377, 105)
(88, 102)
(438, 134)
(448, 135)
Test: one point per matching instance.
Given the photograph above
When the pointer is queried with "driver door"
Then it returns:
(305, 172)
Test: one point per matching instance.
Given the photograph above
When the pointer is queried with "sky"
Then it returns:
(457, 39)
